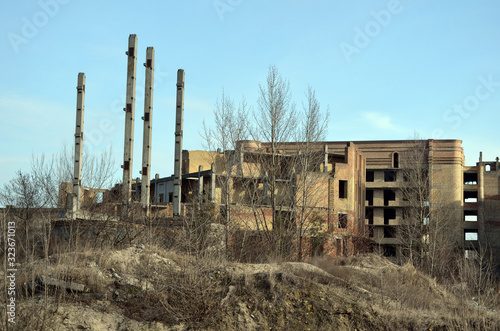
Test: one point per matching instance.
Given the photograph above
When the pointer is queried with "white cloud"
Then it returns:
(381, 122)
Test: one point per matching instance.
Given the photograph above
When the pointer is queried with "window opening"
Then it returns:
(389, 195)
(370, 175)
(389, 176)
(369, 197)
(395, 160)
(342, 189)
(342, 221)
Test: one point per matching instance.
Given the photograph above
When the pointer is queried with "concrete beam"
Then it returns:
(148, 124)
(179, 119)
(77, 177)
(128, 150)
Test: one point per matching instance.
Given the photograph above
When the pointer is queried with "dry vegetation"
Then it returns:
(146, 287)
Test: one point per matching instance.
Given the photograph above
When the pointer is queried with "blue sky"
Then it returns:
(385, 68)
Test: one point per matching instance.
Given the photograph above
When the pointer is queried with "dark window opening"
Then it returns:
(395, 160)
(389, 176)
(389, 195)
(342, 189)
(470, 178)
(369, 197)
(170, 197)
(389, 251)
(370, 175)
(389, 214)
(343, 221)
(161, 197)
(370, 231)
(470, 196)
(369, 215)
(389, 232)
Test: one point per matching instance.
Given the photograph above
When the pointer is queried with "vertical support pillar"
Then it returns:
(179, 118)
(77, 177)
(212, 183)
(129, 121)
(480, 179)
(200, 186)
(265, 188)
(497, 164)
(325, 162)
(148, 124)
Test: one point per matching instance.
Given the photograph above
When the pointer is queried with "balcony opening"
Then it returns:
(370, 175)
(342, 189)
(470, 178)
(389, 195)
(369, 197)
(389, 214)
(389, 176)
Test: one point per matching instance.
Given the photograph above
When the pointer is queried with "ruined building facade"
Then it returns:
(356, 189)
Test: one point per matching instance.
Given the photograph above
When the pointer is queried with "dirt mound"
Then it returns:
(141, 288)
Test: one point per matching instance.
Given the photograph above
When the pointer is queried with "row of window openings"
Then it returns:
(389, 195)
(389, 214)
(389, 231)
(389, 175)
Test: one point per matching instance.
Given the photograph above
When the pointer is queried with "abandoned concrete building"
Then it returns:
(356, 195)
(358, 190)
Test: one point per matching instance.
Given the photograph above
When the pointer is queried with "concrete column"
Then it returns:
(325, 162)
(129, 120)
(148, 124)
(77, 177)
(265, 188)
(179, 118)
(200, 186)
(480, 179)
(212, 183)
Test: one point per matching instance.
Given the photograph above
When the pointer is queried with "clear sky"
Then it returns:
(385, 68)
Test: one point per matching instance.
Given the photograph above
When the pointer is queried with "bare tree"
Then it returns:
(228, 129)
(275, 123)
(425, 229)
(312, 129)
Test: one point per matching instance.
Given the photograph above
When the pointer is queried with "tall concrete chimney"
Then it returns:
(129, 109)
(148, 124)
(179, 118)
(77, 177)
